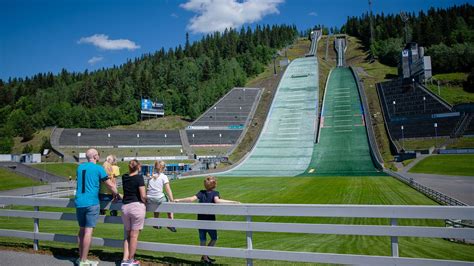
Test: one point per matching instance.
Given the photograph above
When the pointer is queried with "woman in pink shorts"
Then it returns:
(133, 211)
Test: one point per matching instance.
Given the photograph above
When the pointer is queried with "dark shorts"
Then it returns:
(203, 232)
(106, 197)
(87, 216)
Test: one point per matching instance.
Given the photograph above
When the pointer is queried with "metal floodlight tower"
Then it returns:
(405, 19)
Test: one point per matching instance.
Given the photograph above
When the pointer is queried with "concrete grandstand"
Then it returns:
(221, 125)
(407, 103)
(117, 138)
(224, 122)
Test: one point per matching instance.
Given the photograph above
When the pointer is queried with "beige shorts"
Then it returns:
(157, 200)
(133, 216)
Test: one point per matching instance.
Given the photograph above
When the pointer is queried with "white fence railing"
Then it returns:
(250, 210)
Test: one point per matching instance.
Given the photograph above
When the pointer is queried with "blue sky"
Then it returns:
(41, 36)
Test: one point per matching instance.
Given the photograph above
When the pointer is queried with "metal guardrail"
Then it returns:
(374, 149)
(431, 193)
(248, 226)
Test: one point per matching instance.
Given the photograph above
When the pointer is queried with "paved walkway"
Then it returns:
(407, 168)
(458, 187)
(14, 258)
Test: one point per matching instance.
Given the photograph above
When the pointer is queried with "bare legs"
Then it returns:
(84, 239)
(130, 244)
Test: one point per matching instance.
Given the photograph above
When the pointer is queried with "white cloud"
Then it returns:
(217, 15)
(102, 41)
(314, 14)
(174, 15)
(95, 59)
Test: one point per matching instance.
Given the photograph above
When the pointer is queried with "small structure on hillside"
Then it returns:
(414, 63)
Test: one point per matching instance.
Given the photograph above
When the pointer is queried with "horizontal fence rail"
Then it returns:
(393, 212)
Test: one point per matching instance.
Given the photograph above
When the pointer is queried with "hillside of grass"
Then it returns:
(451, 87)
(35, 142)
(453, 164)
(172, 122)
(10, 180)
(460, 143)
(305, 190)
(59, 169)
(421, 143)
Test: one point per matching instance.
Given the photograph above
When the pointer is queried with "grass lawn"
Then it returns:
(421, 144)
(304, 190)
(59, 169)
(10, 180)
(407, 162)
(35, 142)
(452, 94)
(455, 77)
(464, 142)
(172, 122)
(211, 150)
(446, 165)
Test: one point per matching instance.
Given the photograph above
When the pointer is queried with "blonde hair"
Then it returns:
(210, 183)
(160, 167)
(111, 159)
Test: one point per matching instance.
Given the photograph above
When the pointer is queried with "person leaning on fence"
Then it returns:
(154, 192)
(112, 170)
(209, 195)
(89, 176)
(133, 210)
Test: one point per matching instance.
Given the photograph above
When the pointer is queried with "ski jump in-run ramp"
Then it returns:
(343, 148)
(285, 146)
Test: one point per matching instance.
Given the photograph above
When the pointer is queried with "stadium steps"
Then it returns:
(54, 140)
(462, 125)
(185, 142)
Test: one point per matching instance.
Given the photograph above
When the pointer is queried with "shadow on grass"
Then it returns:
(71, 254)
(116, 257)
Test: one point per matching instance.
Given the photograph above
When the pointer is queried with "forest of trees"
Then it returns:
(186, 79)
(448, 35)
